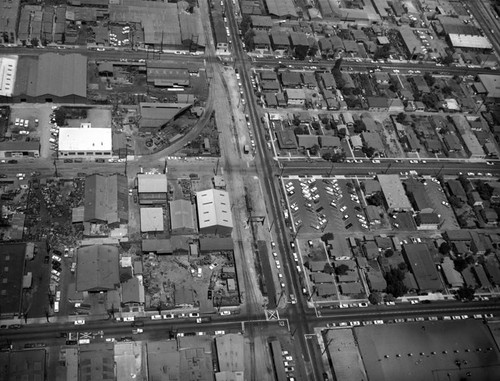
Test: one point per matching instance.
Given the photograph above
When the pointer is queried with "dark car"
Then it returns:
(137, 324)
(71, 342)
(126, 338)
(100, 160)
(15, 326)
(63, 334)
(29, 345)
(12, 162)
(68, 160)
(46, 259)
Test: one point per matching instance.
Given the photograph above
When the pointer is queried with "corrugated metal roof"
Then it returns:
(106, 198)
(281, 8)
(61, 75)
(97, 268)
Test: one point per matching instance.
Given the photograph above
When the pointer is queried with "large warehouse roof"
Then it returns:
(411, 41)
(421, 264)
(85, 139)
(181, 215)
(12, 265)
(156, 183)
(106, 198)
(394, 192)
(281, 8)
(52, 74)
(152, 220)
(214, 208)
(491, 83)
(468, 41)
(97, 268)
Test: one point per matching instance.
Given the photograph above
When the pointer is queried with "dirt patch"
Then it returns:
(186, 281)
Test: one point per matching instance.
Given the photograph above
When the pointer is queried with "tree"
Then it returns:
(395, 284)
(455, 202)
(314, 149)
(403, 266)
(359, 126)
(327, 156)
(327, 237)
(246, 23)
(429, 78)
(248, 39)
(375, 298)
(485, 190)
(447, 90)
(300, 52)
(377, 199)
(465, 293)
(298, 130)
(460, 264)
(447, 60)
(389, 253)
(35, 42)
(368, 151)
(445, 248)
(315, 125)
(328, 269)
(342, 269)
(401, 118)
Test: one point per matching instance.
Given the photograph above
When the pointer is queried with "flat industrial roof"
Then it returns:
(469, 41)
(394, 192)
(421, 264)
(12, 265)
(85, 139)
(152, 220)
(154, 183)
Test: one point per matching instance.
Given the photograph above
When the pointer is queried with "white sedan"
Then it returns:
(79, 322)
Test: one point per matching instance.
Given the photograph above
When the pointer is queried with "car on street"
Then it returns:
(79, 322)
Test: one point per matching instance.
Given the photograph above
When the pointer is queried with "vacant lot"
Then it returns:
(429, 351)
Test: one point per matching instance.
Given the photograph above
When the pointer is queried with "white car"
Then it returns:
(194, 314)
(156, 317)
(79, 322)
(220, 332)
(168, 316)
(129, 318)
(225, 313)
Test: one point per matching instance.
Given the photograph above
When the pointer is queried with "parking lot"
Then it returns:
(319, 205)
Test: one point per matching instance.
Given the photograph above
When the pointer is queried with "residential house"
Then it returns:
(307, 141)
(427, 221)
(456, 189)
(295, 97)
(261, 41)
(373, 140)
(328, 81)
(291, 79)
(377, 103)
(475, 199)
(280, 42)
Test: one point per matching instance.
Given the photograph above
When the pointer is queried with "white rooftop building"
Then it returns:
(214, 212)
(85, 142)
(8, 69)
(394, 193)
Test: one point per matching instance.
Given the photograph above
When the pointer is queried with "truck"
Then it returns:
(246, 148)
